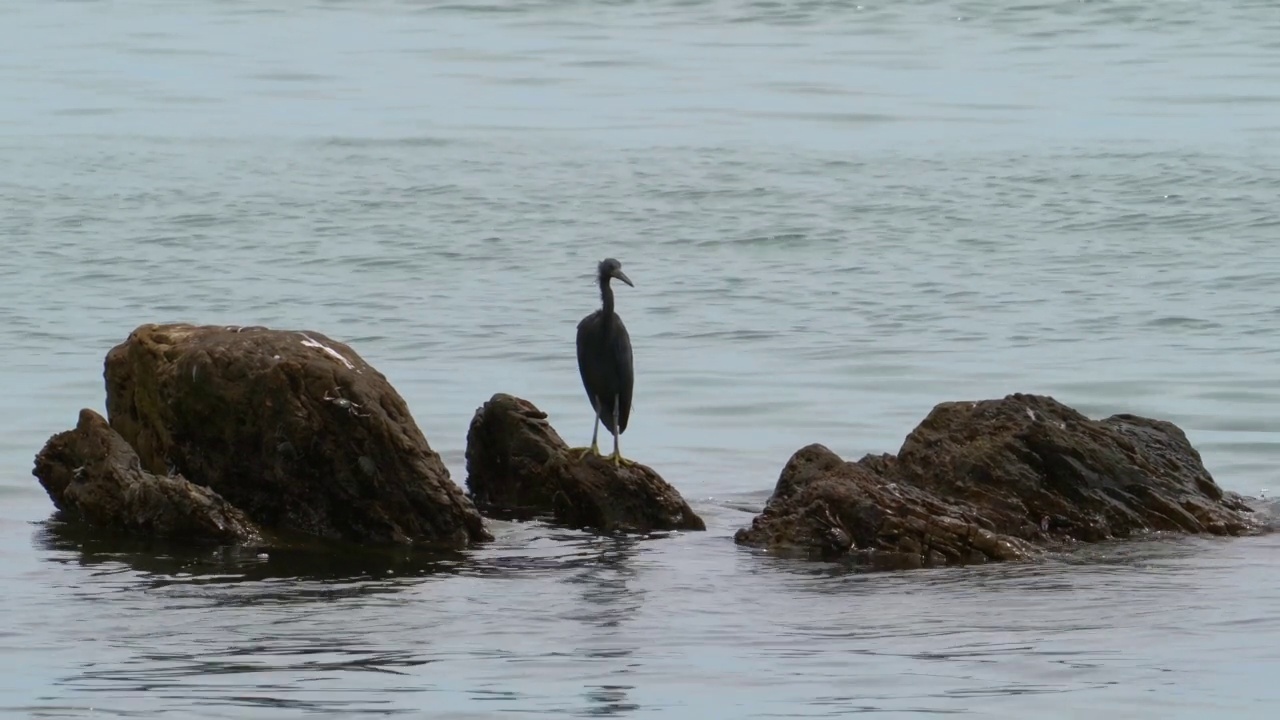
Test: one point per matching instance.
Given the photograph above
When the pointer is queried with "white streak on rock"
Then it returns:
(311, 342)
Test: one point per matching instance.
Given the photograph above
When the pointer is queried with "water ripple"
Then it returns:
(827, 237)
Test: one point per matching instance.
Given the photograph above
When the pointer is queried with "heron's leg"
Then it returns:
(595, 433)
(617, 456)
(595, 430)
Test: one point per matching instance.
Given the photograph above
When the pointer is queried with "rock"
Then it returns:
(293, 428)
(997, 480)
(829, 508)
(519, 467)
(1038, 467)
(92, 474)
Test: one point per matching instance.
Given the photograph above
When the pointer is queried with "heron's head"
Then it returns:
(610, 268)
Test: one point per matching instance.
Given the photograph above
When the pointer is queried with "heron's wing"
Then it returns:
(595, 375)
(624, 366)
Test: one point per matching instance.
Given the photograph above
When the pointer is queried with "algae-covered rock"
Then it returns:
(995, 480)
(92, 475)
(519, 467)
(292, 427)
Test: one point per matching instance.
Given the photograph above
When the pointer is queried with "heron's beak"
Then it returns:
(623, 277)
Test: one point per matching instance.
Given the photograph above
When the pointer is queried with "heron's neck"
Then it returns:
(606, 295)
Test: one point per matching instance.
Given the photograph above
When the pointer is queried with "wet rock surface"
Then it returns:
(292, 428)
(997, 480)
(94, 476)
(518, 467)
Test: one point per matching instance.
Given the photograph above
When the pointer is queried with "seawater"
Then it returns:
(836, 215)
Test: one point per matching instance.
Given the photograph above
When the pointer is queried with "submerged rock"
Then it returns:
(519, 467)
(92, 475)
(994, 480)
(293, 428)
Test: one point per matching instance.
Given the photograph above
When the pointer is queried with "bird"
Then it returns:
(605, 362)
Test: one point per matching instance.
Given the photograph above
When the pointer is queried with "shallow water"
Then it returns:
(835, 216)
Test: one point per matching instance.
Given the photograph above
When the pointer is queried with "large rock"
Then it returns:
(828, 508)
(994, 480)
(293, 428)
(92, 475)
(1039, 468)
(519, 467)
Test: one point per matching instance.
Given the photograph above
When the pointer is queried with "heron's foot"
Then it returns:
(620, 461)
(579, 453)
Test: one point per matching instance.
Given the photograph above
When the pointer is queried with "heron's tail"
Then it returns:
(606, 416)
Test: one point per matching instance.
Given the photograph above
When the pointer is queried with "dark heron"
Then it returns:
(604, 361)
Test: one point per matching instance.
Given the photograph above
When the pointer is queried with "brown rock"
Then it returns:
(92, 475)
(519, 467)
(983, 481)
(293, 428)
(1037, 466)
(829, 508)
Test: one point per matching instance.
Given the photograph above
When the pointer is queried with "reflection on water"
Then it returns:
(169, 562)
(562, 623)
(322, 611)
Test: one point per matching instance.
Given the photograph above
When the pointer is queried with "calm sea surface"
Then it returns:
(835, 215)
